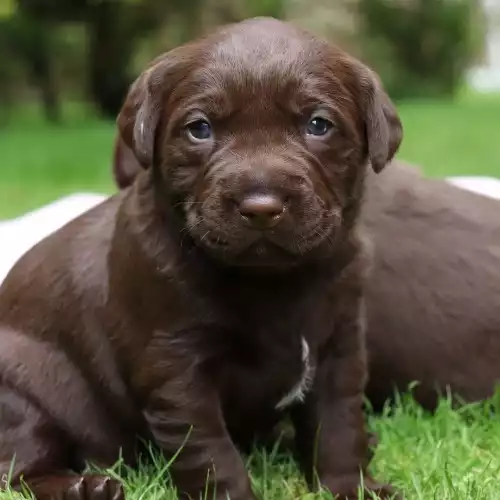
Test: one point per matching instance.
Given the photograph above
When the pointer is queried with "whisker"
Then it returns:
(186, 230)
(186, 202)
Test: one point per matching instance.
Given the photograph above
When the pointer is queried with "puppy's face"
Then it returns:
(261, 135)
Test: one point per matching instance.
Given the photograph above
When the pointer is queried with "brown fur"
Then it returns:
(433, 294)
(169, 313)
(434, 291)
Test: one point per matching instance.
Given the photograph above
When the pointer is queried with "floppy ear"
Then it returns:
(125, 164)
(384, 130)
(140, 115)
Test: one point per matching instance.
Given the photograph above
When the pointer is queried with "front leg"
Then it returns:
(331, 439)
(186, 421)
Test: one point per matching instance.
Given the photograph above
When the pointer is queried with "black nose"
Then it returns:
(262, 211)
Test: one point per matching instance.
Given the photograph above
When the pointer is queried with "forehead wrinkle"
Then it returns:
(201, 89)
(269, 65)
(268, 75)
(224, 91)
(256, 67)
(256, 45)
(255, 58)
(325, 89)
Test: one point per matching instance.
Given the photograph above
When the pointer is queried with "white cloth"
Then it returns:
(488, 186)
(20, 234)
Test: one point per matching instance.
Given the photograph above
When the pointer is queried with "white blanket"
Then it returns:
(20, 234)
(489, 186)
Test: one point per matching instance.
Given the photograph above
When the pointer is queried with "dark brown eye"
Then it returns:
(318, 126)
(199, 130)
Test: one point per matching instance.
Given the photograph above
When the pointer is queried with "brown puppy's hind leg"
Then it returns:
(39, 456)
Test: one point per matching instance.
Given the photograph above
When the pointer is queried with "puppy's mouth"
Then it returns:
(265, 248)
(265, 253)
(261, 253)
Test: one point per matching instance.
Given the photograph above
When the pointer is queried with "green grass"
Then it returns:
(453, 138)
(454, 454)
(39, 163)
(451, 455)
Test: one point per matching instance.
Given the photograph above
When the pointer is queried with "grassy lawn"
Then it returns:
(451, 455)
(454, 454)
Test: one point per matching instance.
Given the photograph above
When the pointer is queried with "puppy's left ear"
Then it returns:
(384, 130)
(125, 166)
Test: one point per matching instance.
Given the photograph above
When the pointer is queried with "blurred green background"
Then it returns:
(65, 66)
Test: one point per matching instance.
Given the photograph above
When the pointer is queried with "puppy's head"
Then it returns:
(260, 135)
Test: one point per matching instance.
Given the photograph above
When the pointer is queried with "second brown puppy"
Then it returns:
(220, 293)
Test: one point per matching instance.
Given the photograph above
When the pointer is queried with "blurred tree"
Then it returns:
(113, 35)
(56, 10)
(420, 47)
(7, 8)
(227, 11)
(29, 40)
(6, 71)
(111, 40)
(35, 42)
(114, 29)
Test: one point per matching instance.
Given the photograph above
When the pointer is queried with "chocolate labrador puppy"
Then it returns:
(433, 294)
(221, 292)
(433, 291)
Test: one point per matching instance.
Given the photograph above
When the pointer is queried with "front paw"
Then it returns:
(74, 487)
(348, 488)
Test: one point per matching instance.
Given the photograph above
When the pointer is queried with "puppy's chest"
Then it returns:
(268, 376)
(298, 391)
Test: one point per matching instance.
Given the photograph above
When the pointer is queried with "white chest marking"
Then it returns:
(300, 389)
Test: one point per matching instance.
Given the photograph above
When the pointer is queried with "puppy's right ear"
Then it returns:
(125, 165)
(140, 115)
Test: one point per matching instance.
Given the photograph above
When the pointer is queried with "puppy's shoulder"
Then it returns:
(64, 263)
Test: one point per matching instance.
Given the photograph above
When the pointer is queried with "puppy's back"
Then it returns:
(434, 292)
